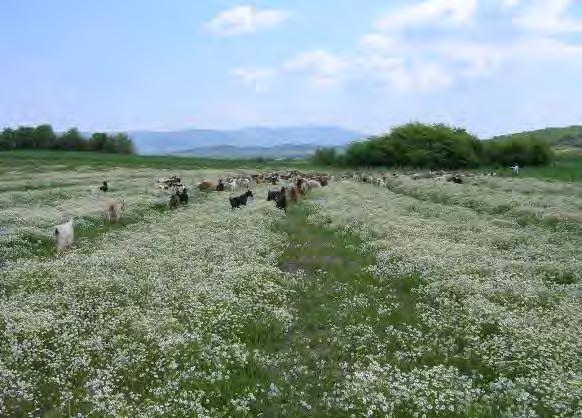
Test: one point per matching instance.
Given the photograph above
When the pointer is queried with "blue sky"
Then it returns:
(492, 66)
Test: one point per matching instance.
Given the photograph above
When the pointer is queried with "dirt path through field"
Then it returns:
(333, 269)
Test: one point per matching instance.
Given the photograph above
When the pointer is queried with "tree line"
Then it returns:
(437, 146)
(43, 137)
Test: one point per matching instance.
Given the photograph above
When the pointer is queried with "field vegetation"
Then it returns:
(418, 299)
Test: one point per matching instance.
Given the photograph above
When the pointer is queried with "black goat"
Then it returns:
(273, 195)
(174, 201)
(183, 196)
(237, 202)
(281, 200)
(104, 187)
(457, 179)
(220, 186)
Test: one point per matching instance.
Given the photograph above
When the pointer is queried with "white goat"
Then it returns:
(245, 183)
(231, 186)
(313, 184)
(64, 236)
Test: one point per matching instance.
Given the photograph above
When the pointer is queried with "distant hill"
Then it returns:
(570, 137)
(229, 151)
(298, 140)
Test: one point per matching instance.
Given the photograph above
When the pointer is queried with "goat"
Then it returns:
(183, 196)
(237, 202)
(457, 179)
(281, 200)
(114, 211)
(64, 236)
(104, 187)
(207, 186)
(174, 201)
(245, 184)
(272, 195)
(313, 184)
(301, 185)
(220, 186)
(232, 186)
(294, 194)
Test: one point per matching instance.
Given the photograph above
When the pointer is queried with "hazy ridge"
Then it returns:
(297, 141)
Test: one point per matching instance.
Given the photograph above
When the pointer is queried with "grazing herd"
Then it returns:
(64, 234)
(291, 186)
(440, 176)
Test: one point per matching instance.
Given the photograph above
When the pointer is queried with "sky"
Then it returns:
(491, 66)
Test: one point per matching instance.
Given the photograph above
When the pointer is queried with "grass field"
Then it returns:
(567, 167)
(43, 160)
(424, 298)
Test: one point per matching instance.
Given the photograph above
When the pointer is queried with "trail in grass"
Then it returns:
(342, 310)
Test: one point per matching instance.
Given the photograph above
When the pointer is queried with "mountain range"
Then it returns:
(290, 142)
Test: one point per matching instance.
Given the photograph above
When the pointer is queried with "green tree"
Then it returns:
(24, 137)
(123, 144)
(71, 140)
(418, 145)
(521, 149)
(98, 141)
(7, 140)
(325, 156)
(44, 137)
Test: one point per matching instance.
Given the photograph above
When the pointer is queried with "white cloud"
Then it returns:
(246, 19)
(251, 75)
(423, 77)
(254, 77)
(325, 69)
(510, 4)
(436, 12)
(419, 76)
(475, 59)
(548, 16)
(378, 42)
(544, 48)
(419, 64)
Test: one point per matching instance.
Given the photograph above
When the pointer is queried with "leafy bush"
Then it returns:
(326, 156)
(438, 146)
(523, 150)
(418, 145)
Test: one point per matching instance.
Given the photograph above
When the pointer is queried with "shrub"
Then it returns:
(523, 150)
(418, 145)
(439, 146)
(325, 156)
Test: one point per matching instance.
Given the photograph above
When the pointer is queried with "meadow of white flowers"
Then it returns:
(162, 317)
(498, 303)
(472, 303)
